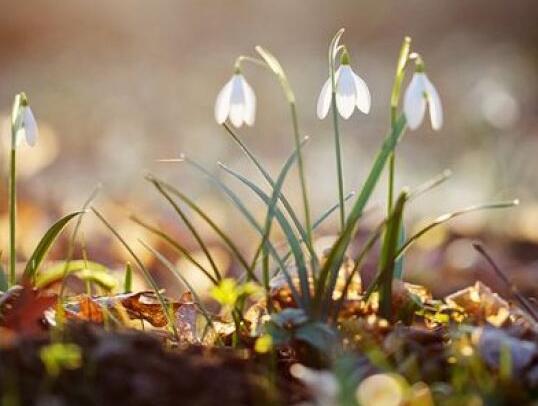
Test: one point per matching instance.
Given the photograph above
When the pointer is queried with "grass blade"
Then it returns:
(45, 244)
(191, 228)
(286, 228)
(388, 256)
(449, 216)
(285, 202)
(235, 199)
(88, 271)
(178, 247)
(336, 255)
(163, 260)
(145, 273)
(358, 260)
(225, 238)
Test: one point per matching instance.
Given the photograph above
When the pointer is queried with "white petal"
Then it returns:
(434, 102)
(20, 135)
(30, 126)
(346, 92)
(415, 101)
(237, 114)
(364, 100)
(222, 105)
(238, 93)
(324, 99)
(250, 103)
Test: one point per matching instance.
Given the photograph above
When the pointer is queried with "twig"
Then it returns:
(525, 303)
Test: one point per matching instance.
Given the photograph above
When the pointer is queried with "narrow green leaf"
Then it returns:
(176, 245)
(295, 245)
(163, 260)
(145, 273)
(449, 216)
(85, 270)
(45, 244)
(190, 226)
(3, 280)
(358, 260)
(277, 69)
(285, 202)
(225, 238)
(399, 264)
(388, 257)
(238, 203)
(336, 255)
(128, 280)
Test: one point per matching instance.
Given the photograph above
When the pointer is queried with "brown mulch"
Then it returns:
(134, 368)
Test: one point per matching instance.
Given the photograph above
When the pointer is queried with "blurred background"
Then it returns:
(116, 86)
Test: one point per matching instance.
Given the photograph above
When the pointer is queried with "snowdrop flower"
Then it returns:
(27, 128)
(351, 92)
(236, 101)
(419, 94)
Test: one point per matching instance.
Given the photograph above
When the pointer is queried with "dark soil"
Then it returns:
(133, 368)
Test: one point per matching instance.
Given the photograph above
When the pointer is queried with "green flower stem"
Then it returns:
(333, 51)
(12, 212)
(394, 98)
(338, 150)
(300, 164)
(273, 64)
(19, 101)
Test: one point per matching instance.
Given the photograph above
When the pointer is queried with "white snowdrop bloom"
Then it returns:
(351, 92)
(420, 93)
(236, 101)
(27, 127)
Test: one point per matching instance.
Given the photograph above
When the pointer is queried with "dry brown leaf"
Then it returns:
(146, 306)
(22, 309)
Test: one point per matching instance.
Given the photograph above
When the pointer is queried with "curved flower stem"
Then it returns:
(273, 64)
(12, 214)
(20, 100)
(337, 146)
(300, 164)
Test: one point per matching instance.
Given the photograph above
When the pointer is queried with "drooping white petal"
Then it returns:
(222, 105)
(250, 103)
(364, 99)
(238, 94)
(434, 102)
(346, 92)
(324, 100)
(30, 126)
(237, 114)
(415, 101)
(20, 136)
(237, 101)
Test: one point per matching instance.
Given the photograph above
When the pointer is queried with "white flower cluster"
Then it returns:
(237, 101)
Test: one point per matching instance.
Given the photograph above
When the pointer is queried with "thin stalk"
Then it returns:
(333, 50)
(16, 123)
(71, 247)
(300, 165)
(12, 212)
(394, 98)
(145, 273)
(275, 66)
(339, 169)
(513, 288)
(191, 227)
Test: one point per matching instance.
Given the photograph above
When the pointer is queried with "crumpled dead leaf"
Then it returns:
(22, 308)
(85, 310)
(146, 306)
(480, 301)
